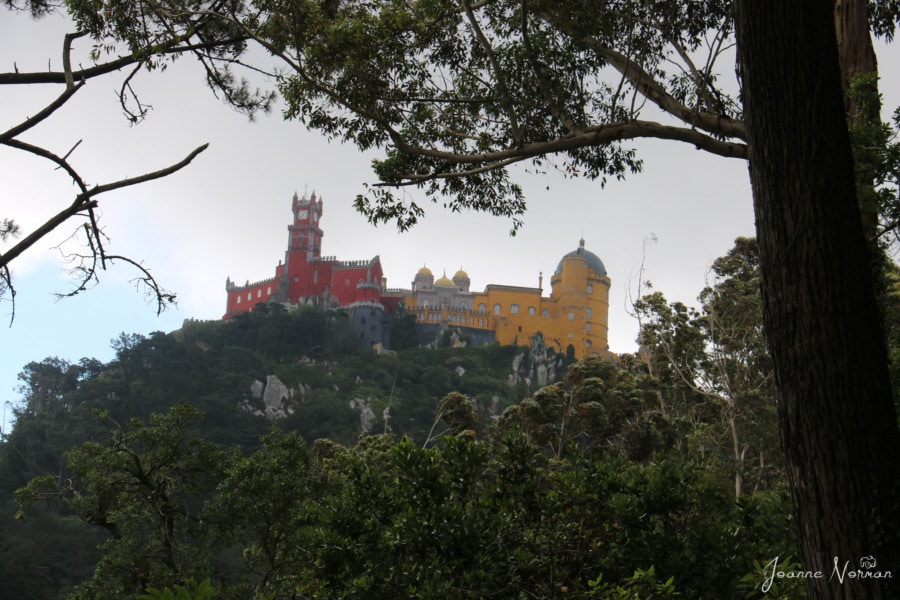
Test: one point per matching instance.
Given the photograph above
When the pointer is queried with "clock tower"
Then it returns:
(304, 234)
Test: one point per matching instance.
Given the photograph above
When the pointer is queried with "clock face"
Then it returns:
(302, 214)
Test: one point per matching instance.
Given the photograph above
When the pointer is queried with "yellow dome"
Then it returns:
(424, 271)
(461, 274)
(444, 280)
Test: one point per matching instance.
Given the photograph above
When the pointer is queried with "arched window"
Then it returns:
(482, 308)
(496, 309)
(590, 288)
(545, 312)
(531, 311)
(239, 300)
(571, 316)
(590, 313)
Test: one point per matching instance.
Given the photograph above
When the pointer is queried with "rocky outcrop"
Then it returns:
(538, 366)
(366, 414)
(278, 400)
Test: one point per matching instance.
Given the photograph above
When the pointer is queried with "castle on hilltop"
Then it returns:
(573, 319)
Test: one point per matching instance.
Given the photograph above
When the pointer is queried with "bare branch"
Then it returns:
(43, 114)
(86, 199)
(139, 56)
(129, 181)
(67, 57)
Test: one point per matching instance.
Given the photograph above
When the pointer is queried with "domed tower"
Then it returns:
(461, 281)
(423, 281)
(580, 286)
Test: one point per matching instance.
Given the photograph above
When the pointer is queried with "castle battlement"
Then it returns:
(355, 264)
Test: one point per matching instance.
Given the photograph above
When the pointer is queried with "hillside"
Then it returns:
(268, 457)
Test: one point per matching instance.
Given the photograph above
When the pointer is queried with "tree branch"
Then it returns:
(85, 200)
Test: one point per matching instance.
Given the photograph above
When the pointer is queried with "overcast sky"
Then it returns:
(226, 215)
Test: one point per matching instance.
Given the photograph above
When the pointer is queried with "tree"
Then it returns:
(716, 357)
(120, 41)
(838, 423)
(143, 486)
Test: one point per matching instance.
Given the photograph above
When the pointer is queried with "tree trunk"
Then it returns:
(838, 424)
(856, 54)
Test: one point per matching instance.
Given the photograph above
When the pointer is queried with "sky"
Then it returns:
(226, 214)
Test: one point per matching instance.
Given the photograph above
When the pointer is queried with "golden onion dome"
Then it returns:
(444, 280)
(461, 275)
(424, 271)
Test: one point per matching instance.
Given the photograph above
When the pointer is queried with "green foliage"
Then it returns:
(643, 585)
(191, 590)
(143, 487)
(389, 518)
(711, 366)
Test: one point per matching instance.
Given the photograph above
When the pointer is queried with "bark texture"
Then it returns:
(838, 424)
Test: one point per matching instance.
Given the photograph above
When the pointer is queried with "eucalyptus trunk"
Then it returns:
(838, 424)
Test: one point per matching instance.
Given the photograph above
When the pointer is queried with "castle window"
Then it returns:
(513, 309)
(571, 316)
(588, 326)
(425, 303)
(239, 300)
(347, 282)
(259, 293)
(482, 308)
(531, 311)
(589, 343)
(296, 279)
(481, 322)
(545, 312)
(464, 306)
(496, 309)
(590, 288)
(249, 296)
(315, 276)
(269, 291)
(590, 313)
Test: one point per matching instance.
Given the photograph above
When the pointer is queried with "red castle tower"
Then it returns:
(305, 276)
